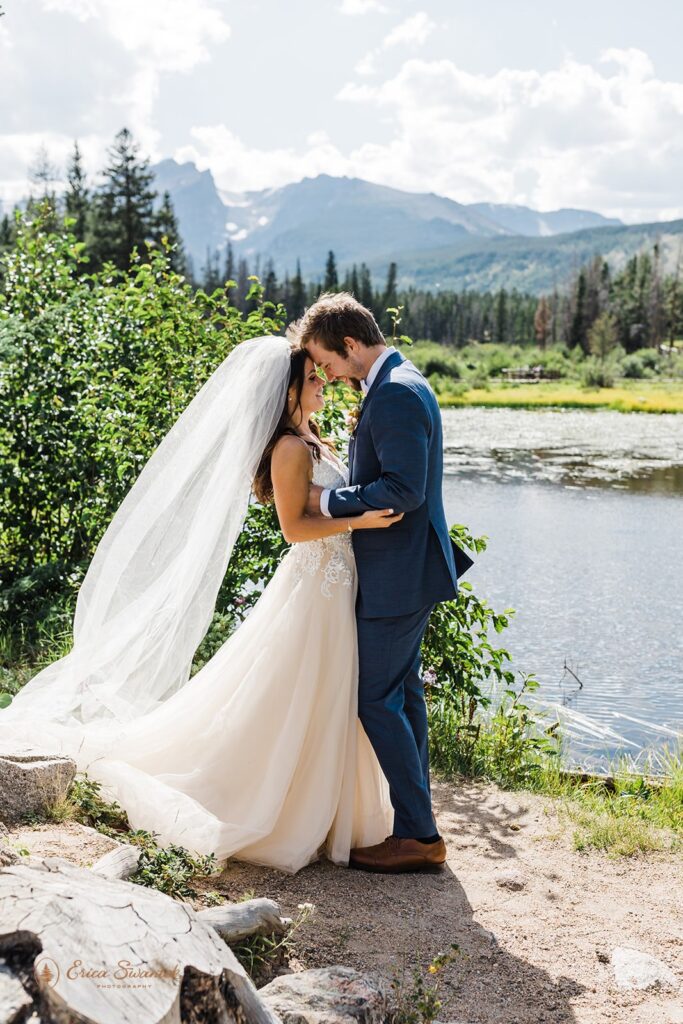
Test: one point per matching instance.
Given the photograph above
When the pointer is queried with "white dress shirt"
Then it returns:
(365, 386)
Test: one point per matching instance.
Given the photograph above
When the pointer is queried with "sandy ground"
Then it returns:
(535, 921)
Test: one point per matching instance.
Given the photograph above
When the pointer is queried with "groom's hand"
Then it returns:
(313, 503)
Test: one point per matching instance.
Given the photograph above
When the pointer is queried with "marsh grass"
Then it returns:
(627, 812)
(637, 396)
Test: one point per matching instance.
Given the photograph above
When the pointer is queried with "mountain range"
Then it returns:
(436, 242)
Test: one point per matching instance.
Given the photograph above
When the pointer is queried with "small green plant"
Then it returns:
(213, 899)
(419, 1003)
(464, 674)
(90, 808)
(260, 955)
(169, 869)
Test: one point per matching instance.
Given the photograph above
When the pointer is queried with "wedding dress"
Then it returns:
(260, 755)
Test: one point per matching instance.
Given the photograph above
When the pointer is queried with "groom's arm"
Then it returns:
(399, 427)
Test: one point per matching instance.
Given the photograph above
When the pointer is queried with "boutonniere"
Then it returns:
(352, 419)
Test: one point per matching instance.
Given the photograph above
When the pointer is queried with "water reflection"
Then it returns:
(583, 512)
(628, 451)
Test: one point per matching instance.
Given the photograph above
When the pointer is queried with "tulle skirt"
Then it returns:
(260, 755)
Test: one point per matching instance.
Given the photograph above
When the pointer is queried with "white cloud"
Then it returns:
(355, 7)
(367, 65)
(18, 150)
(575, 135)
(414, 31)
(238, 167)
(159, 37)
(607, 138)
(164, 33)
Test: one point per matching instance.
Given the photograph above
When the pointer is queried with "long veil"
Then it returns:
(149, 592)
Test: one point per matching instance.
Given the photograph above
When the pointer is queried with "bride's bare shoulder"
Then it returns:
(291, 454)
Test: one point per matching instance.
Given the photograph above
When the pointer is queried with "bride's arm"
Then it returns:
(291, 472)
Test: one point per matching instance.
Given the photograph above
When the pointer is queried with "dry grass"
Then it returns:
(636, 396)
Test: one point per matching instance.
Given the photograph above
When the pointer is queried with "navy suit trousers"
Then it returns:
(391, 707)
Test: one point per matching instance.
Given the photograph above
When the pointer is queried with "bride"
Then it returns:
(260, 755)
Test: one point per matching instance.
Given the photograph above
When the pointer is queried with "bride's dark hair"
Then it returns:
(263, 483)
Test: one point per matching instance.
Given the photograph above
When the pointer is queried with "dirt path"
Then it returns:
(536, 922)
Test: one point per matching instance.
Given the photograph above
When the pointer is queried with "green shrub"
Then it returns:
(99, 368)
(597, 374)
(650, 358)
(446, 366)
(634, 367)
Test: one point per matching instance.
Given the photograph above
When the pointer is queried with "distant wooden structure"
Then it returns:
(528, 374)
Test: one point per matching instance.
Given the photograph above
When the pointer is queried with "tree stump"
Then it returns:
(91, 949)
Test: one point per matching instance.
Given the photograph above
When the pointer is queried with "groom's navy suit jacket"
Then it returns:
(396, 461)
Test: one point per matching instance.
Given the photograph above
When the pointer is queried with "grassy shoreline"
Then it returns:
(627, 396)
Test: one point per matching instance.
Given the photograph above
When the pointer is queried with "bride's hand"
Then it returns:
(377, 519)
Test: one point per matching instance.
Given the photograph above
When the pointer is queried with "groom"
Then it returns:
(395, 461)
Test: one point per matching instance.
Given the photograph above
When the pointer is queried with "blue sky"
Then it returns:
(541, 103)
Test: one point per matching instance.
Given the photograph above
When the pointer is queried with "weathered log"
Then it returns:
(15, 1002)
(121, 862)
(236, 921)
(33, 783)
(111, 952)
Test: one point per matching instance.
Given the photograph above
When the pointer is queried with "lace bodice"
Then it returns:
(331, 557)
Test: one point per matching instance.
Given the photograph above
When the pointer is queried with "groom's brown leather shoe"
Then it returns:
(397, 854)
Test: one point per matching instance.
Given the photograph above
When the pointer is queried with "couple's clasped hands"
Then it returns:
(375, 519)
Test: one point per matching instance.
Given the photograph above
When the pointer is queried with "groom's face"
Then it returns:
(334, 365)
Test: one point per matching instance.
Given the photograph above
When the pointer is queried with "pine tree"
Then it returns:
(242, 285)
(167, 227)
(270, 283)
(298, 296)
(577, 332)
(354, 285)
(76, 200)
(43, 174)
(542, 318)
(211, 275)
(602, 336)
(7, 233)
(229, 271)
(366, 296)
(501, 318)
(7, 238)
(331, 283)
(389, 299)
(124, 216)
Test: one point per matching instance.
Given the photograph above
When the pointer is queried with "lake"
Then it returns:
(584, 515)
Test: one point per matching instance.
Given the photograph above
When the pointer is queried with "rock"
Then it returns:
(94, 949)
(8, 856)
(235, 921)
(32, 783)
(327, 995)
(512, 879)
(121, 862)
(633, 969)
(14, 1000)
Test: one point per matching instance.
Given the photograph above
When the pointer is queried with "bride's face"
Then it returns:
(312, 391)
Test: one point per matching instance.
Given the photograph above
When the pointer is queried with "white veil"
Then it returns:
(149, 593)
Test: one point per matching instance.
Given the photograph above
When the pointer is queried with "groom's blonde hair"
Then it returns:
(335, 316)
